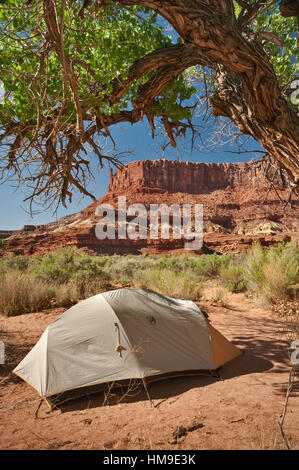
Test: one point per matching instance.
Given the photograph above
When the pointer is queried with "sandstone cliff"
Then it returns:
(173, 177)
(232, 194)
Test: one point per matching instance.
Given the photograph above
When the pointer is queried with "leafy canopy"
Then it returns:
(100, 49)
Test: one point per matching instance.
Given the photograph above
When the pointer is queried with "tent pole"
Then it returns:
(146, 390)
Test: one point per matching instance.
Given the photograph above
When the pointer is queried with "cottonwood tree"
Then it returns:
(70, 70)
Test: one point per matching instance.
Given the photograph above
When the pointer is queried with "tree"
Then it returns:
(70, 70)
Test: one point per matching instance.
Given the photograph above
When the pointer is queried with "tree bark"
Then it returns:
(279, 137)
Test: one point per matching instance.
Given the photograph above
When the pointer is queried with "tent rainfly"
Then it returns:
(118, 336)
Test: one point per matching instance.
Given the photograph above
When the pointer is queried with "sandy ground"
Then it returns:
(239, 412)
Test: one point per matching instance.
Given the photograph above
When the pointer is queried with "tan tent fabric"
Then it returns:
(120, 335)
(223, 351)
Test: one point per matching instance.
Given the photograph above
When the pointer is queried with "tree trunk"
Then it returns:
(280, 137)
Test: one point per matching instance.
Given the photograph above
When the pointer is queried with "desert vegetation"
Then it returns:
(67, 276)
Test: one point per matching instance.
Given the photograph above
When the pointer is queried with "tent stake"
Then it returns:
(148, 395)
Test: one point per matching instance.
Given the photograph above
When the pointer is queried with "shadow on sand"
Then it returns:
(169, 388)
(261, 353)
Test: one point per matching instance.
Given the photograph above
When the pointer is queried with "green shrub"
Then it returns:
(125, 267)
(210, 265)
(16, 262)
(233, 275)
(69, 264)
(58, 266)
(175, 263)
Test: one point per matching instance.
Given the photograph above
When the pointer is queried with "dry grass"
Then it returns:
(167, 282)
(21, 292)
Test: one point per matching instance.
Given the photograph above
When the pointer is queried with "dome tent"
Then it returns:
(120, 335)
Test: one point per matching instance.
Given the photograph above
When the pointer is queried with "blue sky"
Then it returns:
(137, 138)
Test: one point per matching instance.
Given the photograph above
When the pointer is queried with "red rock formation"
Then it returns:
(232, 195)
(174, 176)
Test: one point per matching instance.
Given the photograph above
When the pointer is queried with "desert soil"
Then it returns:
(241, 411)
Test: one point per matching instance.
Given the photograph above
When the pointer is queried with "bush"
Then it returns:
(210, 265)
(280, 272)
(234, 277)
(167, 282)
(252, 262)
(86, 285)
(66, 295)
(69, 264)
(21, 293)
(271, 273)
(176, 263)
(16, 262)
(124, 267)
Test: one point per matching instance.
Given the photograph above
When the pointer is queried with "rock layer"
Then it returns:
(233, 198)
(173, 176)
